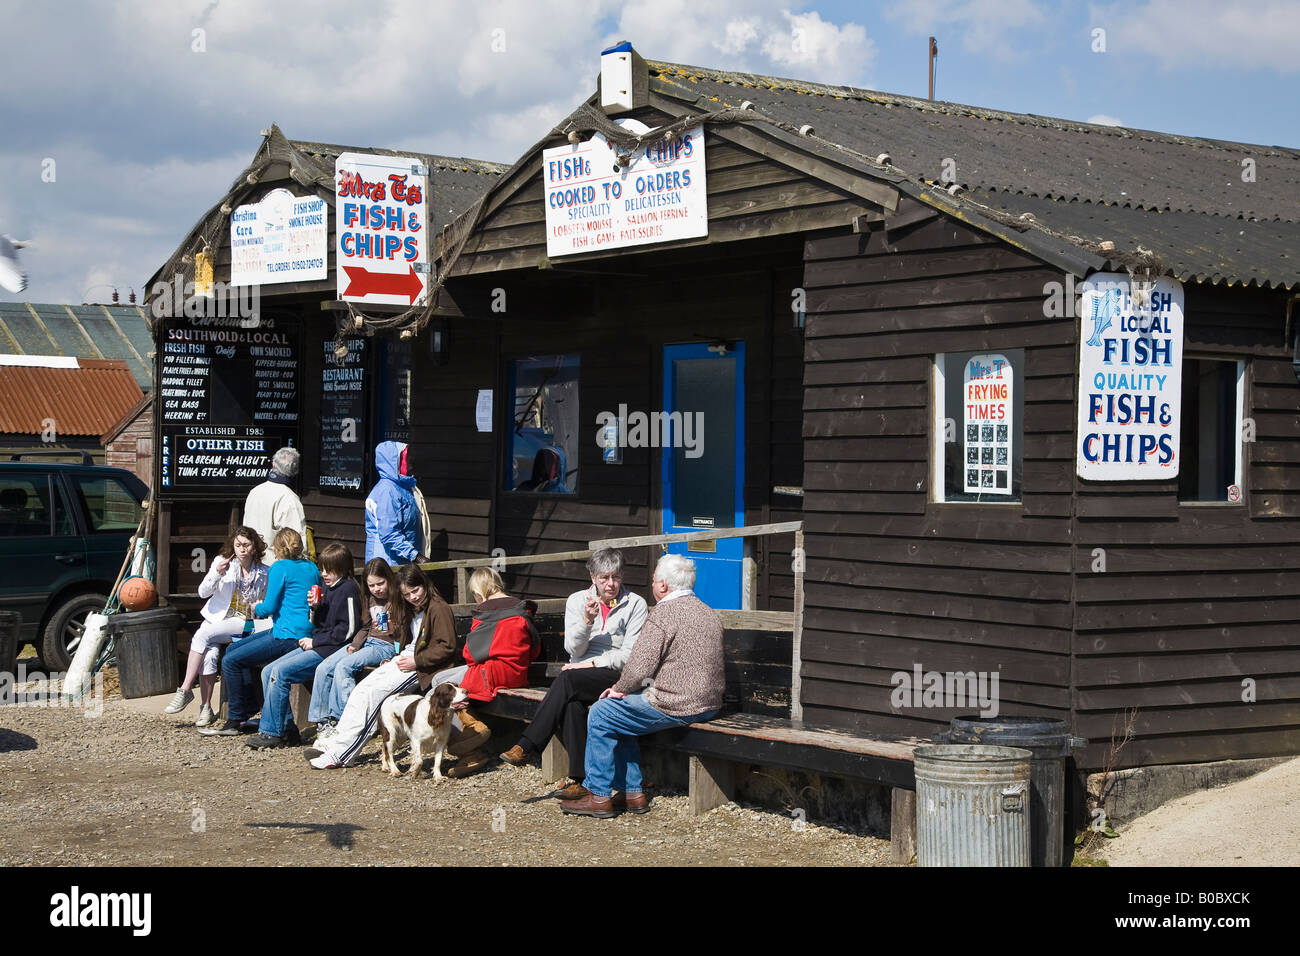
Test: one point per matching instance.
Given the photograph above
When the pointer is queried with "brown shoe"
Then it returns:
(574, 791)
(590, 806)
(515, 756)
(473, 734)
(632, 802)
(469, 764)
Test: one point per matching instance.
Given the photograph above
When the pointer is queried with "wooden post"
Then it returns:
(796, 688)
(462, 586)
(902, 825)
(300, 704)
(748, 578)
(712, 783)
(555, 761)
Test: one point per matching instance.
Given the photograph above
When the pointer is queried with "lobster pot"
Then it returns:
(145, 645)
(972, 805)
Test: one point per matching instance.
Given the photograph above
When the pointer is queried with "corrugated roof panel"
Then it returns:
(107, 338)
(31, 337)
(69, 332)
(84, 401)
(134, 324)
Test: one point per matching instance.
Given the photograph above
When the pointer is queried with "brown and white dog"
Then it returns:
(425, 721)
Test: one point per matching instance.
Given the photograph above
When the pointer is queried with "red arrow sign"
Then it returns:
(362, 282)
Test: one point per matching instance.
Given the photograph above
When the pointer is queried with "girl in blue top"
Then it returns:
(287, 584)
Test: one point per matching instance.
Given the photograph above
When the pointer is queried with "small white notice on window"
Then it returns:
(483, 410)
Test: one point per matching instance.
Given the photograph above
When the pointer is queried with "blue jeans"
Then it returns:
(296, 667)
(613, 758)
(237, 667)
(336, 676)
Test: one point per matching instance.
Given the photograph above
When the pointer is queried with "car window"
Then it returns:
(24, 506)
(110, 508)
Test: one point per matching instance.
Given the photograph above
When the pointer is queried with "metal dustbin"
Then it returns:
(1050, 743)
(972, 805)
(11, 623)
(144, 643)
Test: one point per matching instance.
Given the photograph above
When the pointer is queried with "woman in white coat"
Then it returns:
(234, 584)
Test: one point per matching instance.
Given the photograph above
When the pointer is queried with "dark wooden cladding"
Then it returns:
(1194, 599)
(1186, 621)
(895, 580)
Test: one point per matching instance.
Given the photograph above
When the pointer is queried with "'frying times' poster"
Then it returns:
(987, 410)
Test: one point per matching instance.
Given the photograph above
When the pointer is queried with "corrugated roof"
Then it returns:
(1183, 198)
(454, 184)
(83, 401)
(85, 331)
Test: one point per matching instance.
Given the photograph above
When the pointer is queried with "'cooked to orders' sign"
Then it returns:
(593, 203)
(987, 393)
(381, 226)
(1130, 379)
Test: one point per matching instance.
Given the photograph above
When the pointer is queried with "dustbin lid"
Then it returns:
(139, 620)
(1012, 731)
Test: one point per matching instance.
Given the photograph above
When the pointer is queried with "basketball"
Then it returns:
(137, 594)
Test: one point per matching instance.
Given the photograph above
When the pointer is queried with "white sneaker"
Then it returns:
(178, 703)
(206, 716)
(325, 733)
(323, 762)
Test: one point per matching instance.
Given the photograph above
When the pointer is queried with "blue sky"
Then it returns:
(147, 121)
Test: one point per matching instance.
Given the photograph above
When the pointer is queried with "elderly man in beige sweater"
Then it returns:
(673, 677)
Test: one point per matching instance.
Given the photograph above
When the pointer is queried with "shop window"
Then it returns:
(978, 426)
(1211, 430)
(542, 446)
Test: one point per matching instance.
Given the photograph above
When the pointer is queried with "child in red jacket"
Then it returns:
(502, 643)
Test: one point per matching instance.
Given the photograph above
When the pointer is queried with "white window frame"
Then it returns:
(1239, 449)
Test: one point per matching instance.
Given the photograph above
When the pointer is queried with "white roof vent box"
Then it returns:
(624, 79)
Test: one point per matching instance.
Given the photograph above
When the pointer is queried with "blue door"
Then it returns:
(704, 462)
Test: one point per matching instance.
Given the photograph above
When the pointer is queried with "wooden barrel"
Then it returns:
(145, 645)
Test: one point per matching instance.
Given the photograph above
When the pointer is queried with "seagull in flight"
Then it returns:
(12, 278)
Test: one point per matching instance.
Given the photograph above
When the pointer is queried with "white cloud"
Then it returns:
(1191, 34)
(984, 27)
(1101, 119)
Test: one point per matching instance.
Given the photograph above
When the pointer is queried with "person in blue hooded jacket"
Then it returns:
(392, 516)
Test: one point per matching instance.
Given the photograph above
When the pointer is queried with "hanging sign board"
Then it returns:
(381, 222)
(593, 203)
(988, 408)
(227, 399)
(282, 238)
(1130, 379)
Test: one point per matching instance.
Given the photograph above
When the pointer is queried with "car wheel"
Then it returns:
(67, 625)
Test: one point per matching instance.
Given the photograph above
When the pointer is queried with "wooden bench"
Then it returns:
(715, 749)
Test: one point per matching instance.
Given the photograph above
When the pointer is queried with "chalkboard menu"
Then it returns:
(343, 401)
(226, 400)
(394, 374)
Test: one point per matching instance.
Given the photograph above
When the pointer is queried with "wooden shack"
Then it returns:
(857, 242)
(860, 250)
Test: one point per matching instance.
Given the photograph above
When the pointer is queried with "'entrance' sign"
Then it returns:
(1130, 379)
(593, 203)
(380, 218)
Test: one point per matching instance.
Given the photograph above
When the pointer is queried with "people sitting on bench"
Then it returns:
(601, 625)
(336, 613)
(423, 663)
(381, 635)
(502, 643)
(673, 677)
(285, 602)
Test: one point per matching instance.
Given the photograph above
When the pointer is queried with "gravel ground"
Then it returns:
(123, 788)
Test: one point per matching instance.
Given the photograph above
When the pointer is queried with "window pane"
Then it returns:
(705, 484)
(1209, 431)
(984, 400)
(543, 442)
(109, 506)
(24, 509)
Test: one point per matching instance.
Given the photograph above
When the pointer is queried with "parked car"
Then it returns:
(64, 533)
